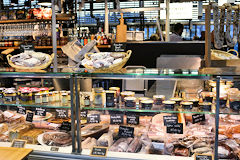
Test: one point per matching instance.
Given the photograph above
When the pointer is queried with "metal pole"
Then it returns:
(73, 129)
(106, 25)
(217, 118)
(54, 37)
(167, 25)
(78, 118)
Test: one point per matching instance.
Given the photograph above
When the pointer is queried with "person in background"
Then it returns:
(177, 32)
(202, 38)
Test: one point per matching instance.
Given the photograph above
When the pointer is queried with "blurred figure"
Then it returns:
(202, 38)
(177, 32)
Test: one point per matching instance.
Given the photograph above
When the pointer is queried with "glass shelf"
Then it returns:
(146, 111)
(32, 104)
(34, 75)
(153, 74)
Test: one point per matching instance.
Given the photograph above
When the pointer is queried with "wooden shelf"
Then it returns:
(35, 20)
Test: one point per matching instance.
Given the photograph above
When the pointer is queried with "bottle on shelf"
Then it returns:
(85, 39)
(82, 40)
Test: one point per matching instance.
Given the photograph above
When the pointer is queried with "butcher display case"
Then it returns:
(36, 114)
(150, 112)
(140, 114)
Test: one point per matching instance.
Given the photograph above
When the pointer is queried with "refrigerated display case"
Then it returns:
(132, 125)
(146, 125)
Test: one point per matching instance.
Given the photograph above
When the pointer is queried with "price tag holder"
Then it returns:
(126, 132)
(119, 47)
(170, 120)
(133, 119)
(93, 118)
(61, 113)
(116, 119)
(99, 151)
(196, 118)
(84, 113)
(203, 157)
(54, 149)
(29, 117)
(21, 110)
(66, 126)
(40, 111)
(175, 128)
(24, 47)
(18, 143)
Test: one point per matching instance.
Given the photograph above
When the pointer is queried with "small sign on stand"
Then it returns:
(203, 157)
(98, 151)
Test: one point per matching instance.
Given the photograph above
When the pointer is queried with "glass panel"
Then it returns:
(169, 116)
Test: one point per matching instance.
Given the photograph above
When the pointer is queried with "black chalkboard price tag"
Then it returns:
(99, 151)
(93, 118)
(126, 132)
(203, 157)
(24, 47)
(196, 118)
(21, 110)
(116, 119)
(29, 117)
(119, 47)
(170, 120)
(66, 126)
(84, 113)
(40, 111)
(18, 143)
(175, 128)
(61, 113)
(133, 119)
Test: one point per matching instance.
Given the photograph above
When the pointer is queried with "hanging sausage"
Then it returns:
(230, 41)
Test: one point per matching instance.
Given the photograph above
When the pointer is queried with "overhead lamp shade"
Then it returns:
(45, 2)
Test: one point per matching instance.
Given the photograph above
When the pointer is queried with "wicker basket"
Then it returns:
(43, 66)
(219, 55)
(113, 68)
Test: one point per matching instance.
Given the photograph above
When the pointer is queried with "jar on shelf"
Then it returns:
(177, 100)
(110, 98)
(64, 99)
(38, 98)
(158, 99)
(117, 90)
(1, 93)
(51, 97)
(98, 94)
(126, 94)
(45, 98)
(68, 95)
(57, 96)
(169, 105)
(130, 102)
(195, 101)
(187, 105)
(26, 96)
(10, 95)
(205, 106)
(34, 91)
(140, 99)
(86, 101)
(147, 104)
(207, 96)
